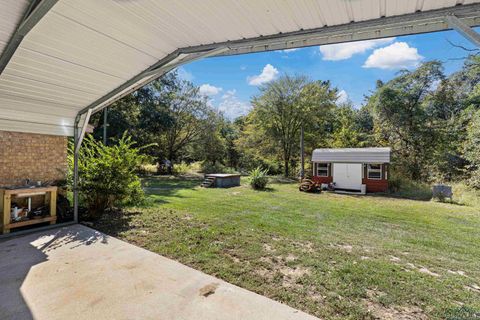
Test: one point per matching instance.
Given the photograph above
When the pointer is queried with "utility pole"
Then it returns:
(302, 155)
(105, 124)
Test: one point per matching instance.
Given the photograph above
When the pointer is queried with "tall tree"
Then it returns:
(345, 133)
(286, 104)
(174, 118)
(402, 120)
(210, 145)
(472, 150)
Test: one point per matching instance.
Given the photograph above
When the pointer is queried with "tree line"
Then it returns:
(430, 120)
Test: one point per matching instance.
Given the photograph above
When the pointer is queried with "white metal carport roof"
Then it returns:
(62, 57)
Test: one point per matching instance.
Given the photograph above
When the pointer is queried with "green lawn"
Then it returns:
(334, 256)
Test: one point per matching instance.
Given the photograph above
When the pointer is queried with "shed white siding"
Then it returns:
(352, 155)
(348, 175)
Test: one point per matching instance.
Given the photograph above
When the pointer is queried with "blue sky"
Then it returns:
(353, 68)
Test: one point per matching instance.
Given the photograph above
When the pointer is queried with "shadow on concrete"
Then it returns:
(19, 254)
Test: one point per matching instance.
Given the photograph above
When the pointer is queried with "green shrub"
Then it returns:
(107, 174)
(196, 167)
(208, 167)
(181, 168)
(258, 178)
(474, 181)
(466, 195)
(148, 169)
(407, 188)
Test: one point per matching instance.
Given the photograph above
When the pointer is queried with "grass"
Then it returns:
(466, 196)
(333, 256)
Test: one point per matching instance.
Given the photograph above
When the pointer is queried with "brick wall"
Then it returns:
(31, 156)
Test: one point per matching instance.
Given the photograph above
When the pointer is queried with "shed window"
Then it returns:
(374, 171)
(322, 169)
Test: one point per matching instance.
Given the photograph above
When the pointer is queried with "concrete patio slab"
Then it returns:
(75, 272)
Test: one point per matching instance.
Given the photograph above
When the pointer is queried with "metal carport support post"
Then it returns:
(78, 136)
(75, 169)
(463, 29)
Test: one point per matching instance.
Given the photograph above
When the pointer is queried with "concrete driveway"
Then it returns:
(75, 272)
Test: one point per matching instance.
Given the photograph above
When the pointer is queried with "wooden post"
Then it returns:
(2, 223)
(6, 211)
(51, 200)
(53, 205)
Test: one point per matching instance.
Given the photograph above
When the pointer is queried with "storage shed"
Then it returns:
(352, 169)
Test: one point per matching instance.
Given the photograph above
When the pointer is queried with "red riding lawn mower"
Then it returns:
(315, 185)
(310, 185)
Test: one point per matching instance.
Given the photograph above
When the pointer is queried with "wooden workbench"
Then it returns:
(6, 196)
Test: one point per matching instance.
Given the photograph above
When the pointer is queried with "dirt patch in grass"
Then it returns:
(288, 258)
(473, 287)
(458, 272)
(268, 248)
(395, 259)
(344, 247)
(379, 311)
(231, 254)
(280, 266)
(295, 272)
(306, 246)
(264, 273)
(427, 271)
(421, 269)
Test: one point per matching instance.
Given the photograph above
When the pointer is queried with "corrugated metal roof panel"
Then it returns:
(82, 50)
(24, 126)
(11, 11)
(352, 155)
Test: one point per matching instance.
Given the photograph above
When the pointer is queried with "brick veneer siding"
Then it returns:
(36, 157)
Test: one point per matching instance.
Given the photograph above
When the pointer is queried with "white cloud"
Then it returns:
(209, 90)
(268, 74)
(184, 74)
(229, 94)
(232, 107)
(291, 50)
(342, 97)
(398, 55)
(343, 51)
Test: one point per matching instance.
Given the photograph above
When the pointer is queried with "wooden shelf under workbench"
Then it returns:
(6, 196)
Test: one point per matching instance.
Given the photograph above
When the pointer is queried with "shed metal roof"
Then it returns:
(76, 55)
(352, 155)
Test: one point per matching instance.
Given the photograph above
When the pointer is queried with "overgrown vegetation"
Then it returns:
(107, 174)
